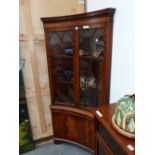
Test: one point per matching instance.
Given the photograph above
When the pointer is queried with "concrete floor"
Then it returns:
(58, 149)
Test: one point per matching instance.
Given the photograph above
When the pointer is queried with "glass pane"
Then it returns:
(61, 49)
(91, 66)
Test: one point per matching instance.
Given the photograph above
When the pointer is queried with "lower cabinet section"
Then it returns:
(90, 130)
(74, 125)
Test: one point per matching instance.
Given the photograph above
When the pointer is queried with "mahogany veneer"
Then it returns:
(73, 109)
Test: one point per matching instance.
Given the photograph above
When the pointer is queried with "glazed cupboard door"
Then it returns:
(91, 51)
(61, 64)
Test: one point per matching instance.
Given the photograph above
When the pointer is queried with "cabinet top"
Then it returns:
(103, 12)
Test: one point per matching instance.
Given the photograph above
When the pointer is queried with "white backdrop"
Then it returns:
(122, 73)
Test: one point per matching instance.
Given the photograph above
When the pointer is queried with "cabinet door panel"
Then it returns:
(61, 52)
(91, 49)
(74, 125)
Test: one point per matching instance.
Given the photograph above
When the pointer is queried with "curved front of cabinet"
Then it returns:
(73, 125)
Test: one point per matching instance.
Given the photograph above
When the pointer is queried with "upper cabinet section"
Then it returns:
(79, 58)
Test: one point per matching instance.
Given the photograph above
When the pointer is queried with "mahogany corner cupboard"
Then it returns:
(79, 49)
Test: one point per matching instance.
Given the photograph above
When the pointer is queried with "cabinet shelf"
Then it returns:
(61, 56)
(81, 57)
(65, 82)
(92, 58)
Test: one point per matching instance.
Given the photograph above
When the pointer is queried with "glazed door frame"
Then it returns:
(106, 63)
(50, 70)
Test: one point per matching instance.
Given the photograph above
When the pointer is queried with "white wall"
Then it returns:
(122, 74)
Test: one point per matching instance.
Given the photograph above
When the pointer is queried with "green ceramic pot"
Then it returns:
(125, 113)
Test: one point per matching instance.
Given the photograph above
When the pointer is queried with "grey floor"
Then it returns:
(58, 149)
